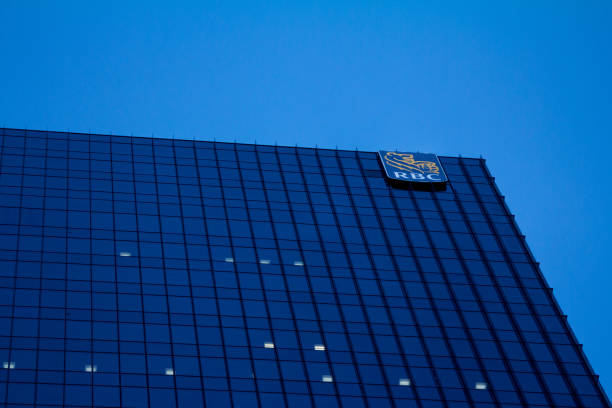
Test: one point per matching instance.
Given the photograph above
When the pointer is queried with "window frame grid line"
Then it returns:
(40, 279)
(283, 275)
(312, 292)
(542, 279)
(165, 285)
(214, 288)
(145, 343)
(419, 270)
(544, 333)
(249, 346)
(362, 231)
(350, 268)
(191, 297)
(476, 294)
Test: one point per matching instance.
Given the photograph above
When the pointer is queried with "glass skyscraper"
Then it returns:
(140, 272)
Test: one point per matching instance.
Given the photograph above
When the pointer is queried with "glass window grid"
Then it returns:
(463, 197)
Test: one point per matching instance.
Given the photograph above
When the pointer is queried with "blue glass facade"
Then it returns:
(142, 272)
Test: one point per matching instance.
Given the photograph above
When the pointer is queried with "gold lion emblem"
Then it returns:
(405, 161)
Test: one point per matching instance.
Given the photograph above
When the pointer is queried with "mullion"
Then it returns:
(239, 289)
(420, 272)
(533, 313)
(480, 302)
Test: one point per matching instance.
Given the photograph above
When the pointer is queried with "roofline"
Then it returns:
(2, 129)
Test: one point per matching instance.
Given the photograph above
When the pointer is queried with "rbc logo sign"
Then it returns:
(412, 167)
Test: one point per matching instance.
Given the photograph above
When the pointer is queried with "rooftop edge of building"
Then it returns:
(7, 131)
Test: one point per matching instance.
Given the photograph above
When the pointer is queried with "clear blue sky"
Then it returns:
(526, 85)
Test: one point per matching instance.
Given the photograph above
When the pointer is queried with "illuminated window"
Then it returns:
(264, 261)
(319, 347)
(91, 368)
(269, 345)
(327, 378)
(169, 371)
(229, 259)
(298, 263)
(125, 253)
(481, 386)
(404, 381)
(9, 365)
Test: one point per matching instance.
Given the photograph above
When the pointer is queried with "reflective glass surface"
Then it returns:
(141, 272)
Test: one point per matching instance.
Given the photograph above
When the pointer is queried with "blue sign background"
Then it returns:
(412, 167)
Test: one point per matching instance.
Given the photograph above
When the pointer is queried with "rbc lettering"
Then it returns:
(416, 176)
(413, 168)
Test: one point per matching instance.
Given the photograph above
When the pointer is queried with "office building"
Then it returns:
(141, 272)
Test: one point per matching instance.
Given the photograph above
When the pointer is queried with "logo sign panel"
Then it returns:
(412, 167)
